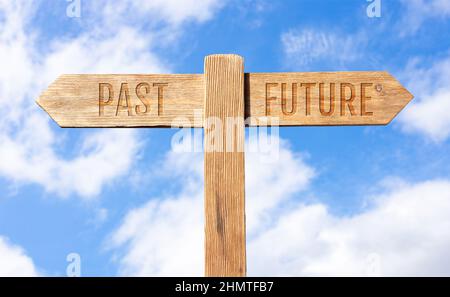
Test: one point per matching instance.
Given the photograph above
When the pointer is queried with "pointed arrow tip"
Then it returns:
(408, 93)
(39, 102)
(403, 95)
(42, 103)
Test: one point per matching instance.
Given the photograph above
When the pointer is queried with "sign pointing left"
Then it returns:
(85, 100)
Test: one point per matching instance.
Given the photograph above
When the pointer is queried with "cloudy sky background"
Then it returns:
(336, 201)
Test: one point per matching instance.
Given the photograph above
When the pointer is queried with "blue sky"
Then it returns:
(336, 201)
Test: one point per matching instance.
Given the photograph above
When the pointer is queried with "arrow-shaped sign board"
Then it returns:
(295, 99)
(224, 91)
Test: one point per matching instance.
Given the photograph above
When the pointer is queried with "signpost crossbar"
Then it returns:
(222, 93)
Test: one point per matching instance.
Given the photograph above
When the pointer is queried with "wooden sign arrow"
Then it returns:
(223, 92)
(295, 99)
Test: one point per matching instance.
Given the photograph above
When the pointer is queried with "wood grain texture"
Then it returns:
(293, 99)
(172, 99)
(359, 98)
(225, 253)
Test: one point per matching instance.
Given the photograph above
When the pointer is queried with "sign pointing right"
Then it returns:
(325, 98)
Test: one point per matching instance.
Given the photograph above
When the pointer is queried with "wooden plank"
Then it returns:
(224, 166)
(324, 98)
(294, 99)
(125, 100)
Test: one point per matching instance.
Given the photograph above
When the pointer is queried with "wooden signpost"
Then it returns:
(225, 92)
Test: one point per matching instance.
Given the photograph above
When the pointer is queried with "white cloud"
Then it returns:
(125, 51)
(405, 233)
(14, 261)
(14, 56)
(272, 183)
(416, 12)
(303, 47)
(104, 156)
(153, 233)
(404, 230)
(428, 113)
(29, 151)
(172, 12)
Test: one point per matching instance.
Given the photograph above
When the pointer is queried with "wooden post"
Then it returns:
(162, 100)
(225, 253)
